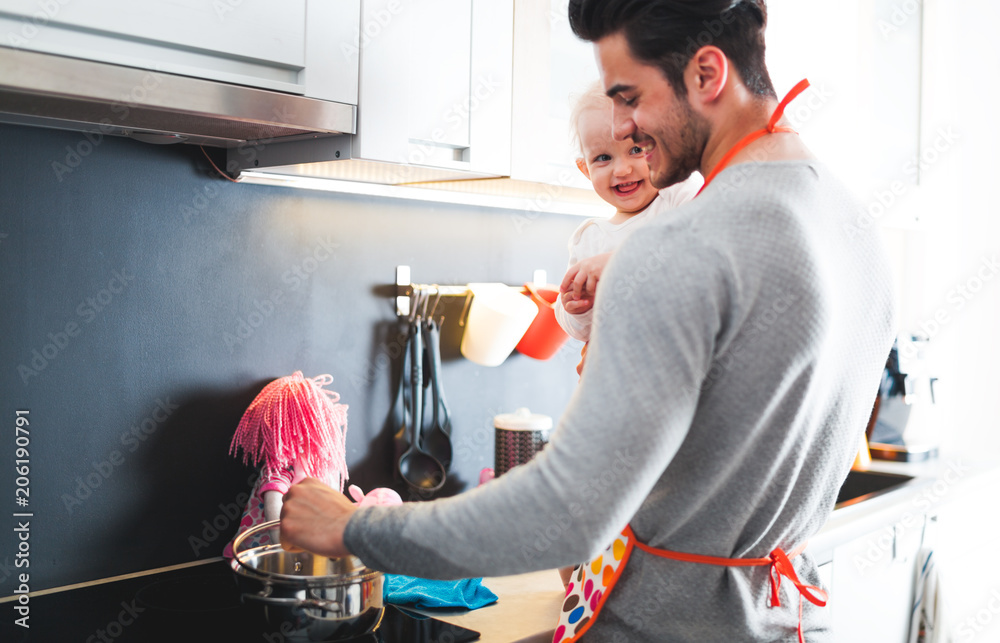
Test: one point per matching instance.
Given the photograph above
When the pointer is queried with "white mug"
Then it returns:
(498, 317)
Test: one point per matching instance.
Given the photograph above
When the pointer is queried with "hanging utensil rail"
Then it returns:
(406, 290)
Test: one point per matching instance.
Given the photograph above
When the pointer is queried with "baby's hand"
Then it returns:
(579, 286)
(575, 306)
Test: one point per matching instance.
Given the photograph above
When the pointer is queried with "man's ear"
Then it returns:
(580, 163)
(706, 74)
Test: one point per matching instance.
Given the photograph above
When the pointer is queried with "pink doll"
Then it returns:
(294, 428)
(297, 429)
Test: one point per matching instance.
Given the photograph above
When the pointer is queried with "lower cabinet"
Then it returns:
(872, 582)
(966, 547)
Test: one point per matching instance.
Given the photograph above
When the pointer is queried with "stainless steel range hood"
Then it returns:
(67, 93)
(272, 138)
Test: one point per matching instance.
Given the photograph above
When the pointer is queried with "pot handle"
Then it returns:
(264, 596)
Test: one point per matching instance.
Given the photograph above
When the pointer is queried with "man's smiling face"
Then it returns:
(647, 110)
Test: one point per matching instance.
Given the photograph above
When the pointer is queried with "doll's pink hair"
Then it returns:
(295, 421)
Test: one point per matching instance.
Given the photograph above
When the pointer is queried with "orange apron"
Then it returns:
(593, 581)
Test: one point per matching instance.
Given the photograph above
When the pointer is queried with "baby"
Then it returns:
(620, 175)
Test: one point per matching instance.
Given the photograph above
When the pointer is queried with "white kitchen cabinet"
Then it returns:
(306, 47)
(871, 582)
(862, 114)
(968, 539)
(435, 85)
(551, 68)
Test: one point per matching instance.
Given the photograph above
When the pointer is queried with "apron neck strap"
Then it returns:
(779, 111)
(772, 128)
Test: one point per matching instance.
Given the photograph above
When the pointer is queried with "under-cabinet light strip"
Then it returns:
(530, 206)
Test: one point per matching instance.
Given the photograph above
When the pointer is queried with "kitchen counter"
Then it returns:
(526, 611)
(528, 604)
(936, 482)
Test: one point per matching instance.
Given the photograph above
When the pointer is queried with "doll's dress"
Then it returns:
(253, 512)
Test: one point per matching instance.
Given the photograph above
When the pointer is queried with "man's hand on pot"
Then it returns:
(313, 518)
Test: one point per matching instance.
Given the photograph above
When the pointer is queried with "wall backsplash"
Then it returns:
(146, 302)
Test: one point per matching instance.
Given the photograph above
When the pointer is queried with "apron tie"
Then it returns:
(779, 563)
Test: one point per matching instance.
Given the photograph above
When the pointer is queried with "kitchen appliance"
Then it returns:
(519, 436)
(195, 603)
(904, 425)
(61, 92)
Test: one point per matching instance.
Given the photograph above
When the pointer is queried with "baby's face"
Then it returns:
(617, 169)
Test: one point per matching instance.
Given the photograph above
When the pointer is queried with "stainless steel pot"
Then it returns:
(306, 597)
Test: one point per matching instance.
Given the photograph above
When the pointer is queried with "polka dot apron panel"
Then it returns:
(592, 582)
(589, 588)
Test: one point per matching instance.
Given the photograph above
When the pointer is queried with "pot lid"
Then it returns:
(522, 420)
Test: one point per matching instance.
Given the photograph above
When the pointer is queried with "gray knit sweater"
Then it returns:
(736, 354)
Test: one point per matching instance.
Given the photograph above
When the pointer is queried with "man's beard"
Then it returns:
(691, 131)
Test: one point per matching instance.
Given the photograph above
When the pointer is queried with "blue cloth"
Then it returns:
(469, 593)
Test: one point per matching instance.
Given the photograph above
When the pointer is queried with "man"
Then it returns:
(737, 349)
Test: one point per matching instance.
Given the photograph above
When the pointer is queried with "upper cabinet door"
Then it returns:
(435, 83)
(552, 67)
(332, 49)
(294, 47)
(439, 48)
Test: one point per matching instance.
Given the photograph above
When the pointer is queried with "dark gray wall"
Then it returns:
(146, 302)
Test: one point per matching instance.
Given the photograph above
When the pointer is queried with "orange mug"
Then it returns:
(545, 336)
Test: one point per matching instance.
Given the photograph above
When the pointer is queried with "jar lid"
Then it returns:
(522, 420)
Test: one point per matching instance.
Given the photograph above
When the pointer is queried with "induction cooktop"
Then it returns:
(194, 604)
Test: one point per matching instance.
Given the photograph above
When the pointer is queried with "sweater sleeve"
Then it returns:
(625, 422)
(576, 326)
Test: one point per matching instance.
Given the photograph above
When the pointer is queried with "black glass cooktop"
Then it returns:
(195, 604)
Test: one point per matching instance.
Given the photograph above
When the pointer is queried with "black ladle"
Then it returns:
(437, 439)
(419, 469)
(399, 416)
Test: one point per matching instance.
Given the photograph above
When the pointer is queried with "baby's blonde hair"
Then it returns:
(592, 98)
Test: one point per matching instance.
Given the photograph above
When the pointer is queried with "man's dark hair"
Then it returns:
(667, 33)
